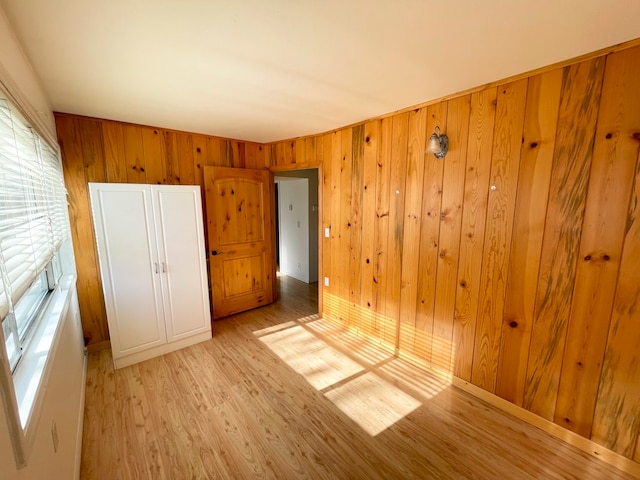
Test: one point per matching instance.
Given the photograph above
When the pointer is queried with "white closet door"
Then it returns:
(127, 251)
(183, 260)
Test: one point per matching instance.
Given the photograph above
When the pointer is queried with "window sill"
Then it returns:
(31, 376)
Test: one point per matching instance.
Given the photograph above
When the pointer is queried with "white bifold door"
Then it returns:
(153, 265)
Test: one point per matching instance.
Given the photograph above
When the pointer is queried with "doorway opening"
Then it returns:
(297, 220)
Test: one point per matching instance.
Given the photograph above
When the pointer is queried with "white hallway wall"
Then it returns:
(293, 199)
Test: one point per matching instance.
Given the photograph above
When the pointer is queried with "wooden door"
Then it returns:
(239, 210)
(127, 252)
(182, 258)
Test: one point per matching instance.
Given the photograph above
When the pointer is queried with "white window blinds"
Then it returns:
(33, 206)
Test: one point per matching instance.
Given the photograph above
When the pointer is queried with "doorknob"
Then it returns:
(214, 252)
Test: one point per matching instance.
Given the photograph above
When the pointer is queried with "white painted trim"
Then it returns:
(160, 350)
(80, 430)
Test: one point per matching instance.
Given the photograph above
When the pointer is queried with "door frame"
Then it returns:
(292, 168)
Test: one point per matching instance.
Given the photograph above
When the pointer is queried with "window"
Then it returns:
(33, 225)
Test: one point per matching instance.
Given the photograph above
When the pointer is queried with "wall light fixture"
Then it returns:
(438, 143)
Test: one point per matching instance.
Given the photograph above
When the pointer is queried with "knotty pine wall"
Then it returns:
(513, 263)
(96, 150)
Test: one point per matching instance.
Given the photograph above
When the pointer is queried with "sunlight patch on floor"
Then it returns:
(364, 381)
(372, 403)
(311, 357)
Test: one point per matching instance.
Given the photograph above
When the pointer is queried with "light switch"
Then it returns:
(327, 232)
(326, 281)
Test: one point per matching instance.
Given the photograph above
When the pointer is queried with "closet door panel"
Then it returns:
(127, 251)
(183, 262)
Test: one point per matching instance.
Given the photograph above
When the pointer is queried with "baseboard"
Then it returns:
(588, 446)
(96, 347)
(79, 433)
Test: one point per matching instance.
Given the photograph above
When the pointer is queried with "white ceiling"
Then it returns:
(267, 70)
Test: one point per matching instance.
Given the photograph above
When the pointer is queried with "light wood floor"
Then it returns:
(279, 393)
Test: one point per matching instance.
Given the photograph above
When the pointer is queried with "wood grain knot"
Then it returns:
(513, 324)
(579, 364)
(198, 150)
(608, 136)
(606, 258)
(587, 258)
(348, 224)
(367, 139)
(533, 144)
(142, 169)
(367, 260)
(463, 284)
(637, 136)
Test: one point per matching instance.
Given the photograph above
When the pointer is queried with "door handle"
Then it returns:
(214, 252)
(156, 264)
(164, 268)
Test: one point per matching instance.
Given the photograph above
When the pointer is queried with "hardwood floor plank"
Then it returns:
(241, 406)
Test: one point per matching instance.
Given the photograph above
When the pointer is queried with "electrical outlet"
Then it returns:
(326, 281)
(54, 436)
(327, 232)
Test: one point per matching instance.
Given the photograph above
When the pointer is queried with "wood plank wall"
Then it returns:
(96, 150)
(512, 264)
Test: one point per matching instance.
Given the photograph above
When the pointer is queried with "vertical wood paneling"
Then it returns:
(185, 159)
(155, 156)
(300, 148)
(397, 181)
(450, 220)
(114, 152)
(384, 321)
(543, 100)
(507, 140)
(610, 184)
(616, 423)
(411, 228)
(261, 160)
(581, 86)
(173, 156)
(337, 253)
(327, 220)
(92, 150)
(425, 257)
(346, 164)
(355, 224)
(236, 154)
(368, 287)
(134, 154)
(311, 150)
(89, 285)
(200, 158)
(474, 211)
(217, 153)
(251, 154)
